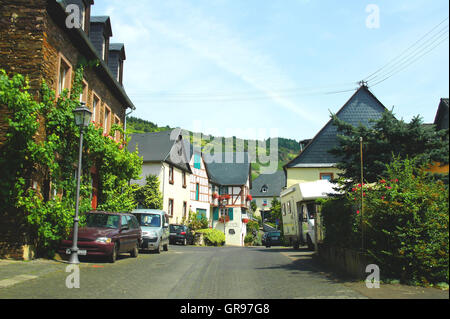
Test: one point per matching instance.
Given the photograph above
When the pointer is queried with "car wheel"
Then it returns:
(296, 245)
(114, 253)
(135, 252)
(166, 247)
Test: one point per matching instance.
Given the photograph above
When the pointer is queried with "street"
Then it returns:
(188, 272)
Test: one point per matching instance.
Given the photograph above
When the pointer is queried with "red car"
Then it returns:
(107, 234)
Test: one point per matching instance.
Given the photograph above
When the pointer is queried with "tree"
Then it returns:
(386, 139)
(149, 195)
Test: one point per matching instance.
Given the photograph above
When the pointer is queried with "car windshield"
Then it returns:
(102, 220)
(175, 228)
(274, 234)
(149, 220)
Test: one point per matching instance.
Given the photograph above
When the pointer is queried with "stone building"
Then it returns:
(38, 39)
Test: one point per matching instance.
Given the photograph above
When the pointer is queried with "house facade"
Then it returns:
(35, 41)
(200, 191)
(441, 122)
(314, 162)
(164, 155)
(265, 188)
(230, 184)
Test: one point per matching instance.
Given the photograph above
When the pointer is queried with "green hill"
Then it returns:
(287, 148)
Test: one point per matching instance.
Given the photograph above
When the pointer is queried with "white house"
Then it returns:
(165, 156)
(231, 184)
(200, 195)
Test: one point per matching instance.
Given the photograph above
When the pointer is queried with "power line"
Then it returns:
(411, 62)
(400, 56)
(429, 43)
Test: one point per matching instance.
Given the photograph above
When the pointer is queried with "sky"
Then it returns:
(260, 68)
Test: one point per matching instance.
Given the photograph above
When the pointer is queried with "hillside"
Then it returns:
(287, 148)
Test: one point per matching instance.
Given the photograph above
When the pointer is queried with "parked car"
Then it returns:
(107, 234)
(154, 224)
(180, 234)
(272, 238)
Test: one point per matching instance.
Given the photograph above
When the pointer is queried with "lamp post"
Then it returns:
(82, 119)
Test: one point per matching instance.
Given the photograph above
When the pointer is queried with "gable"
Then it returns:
(360, 109)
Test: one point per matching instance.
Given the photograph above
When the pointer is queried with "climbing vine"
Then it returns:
(41, 144)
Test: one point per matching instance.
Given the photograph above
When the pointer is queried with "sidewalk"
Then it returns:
(13, 272)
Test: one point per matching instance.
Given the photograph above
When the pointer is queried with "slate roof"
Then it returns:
(274, 182)
(442, 120)
(157, 147)
(359, 109)
(230, 174)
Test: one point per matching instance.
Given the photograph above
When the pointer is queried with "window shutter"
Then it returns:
(216, 213)
(230, 213)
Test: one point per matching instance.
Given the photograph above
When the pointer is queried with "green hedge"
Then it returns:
(405, 221)
(212, 237)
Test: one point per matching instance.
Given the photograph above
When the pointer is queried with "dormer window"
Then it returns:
(264, 189)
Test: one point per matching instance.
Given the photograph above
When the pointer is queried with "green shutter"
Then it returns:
(216, 213)
(230, 213)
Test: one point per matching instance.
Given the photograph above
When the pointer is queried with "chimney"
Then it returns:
(99, 34)
(115, 60)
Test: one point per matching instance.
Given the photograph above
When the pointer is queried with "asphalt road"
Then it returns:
(188, 272)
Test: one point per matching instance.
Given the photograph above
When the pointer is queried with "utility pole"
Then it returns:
(362, 193)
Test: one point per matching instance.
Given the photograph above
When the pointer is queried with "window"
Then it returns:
(171, 174)
(264, 189)
(170, 209)
(197, 191)
(184, 209)
(117, 134)
(197, 161)
(84, 92)
(231, 231)
(184, 179)
(284, 209)
(289, 207)
(64, 75)
(95, 106)
(326, 176)
(106, 121)
(124, 221)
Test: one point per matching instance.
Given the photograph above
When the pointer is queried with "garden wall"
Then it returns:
(350, 262)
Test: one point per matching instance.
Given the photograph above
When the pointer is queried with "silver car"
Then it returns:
(155, 229)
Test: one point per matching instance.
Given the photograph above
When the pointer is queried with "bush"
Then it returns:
(340, 223)
(212, 237)
(249, 238)
(406, 224)
(404, 220)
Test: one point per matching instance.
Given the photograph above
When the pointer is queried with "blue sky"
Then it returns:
(260, 68)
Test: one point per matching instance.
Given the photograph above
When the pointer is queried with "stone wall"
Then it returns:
(351, 262)
(32, 43)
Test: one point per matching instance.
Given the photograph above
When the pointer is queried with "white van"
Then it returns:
(299, 211)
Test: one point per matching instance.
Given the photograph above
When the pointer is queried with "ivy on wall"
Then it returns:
(41, 143)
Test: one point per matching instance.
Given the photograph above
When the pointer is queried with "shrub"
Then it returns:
(406, 224)
(212, 237)
(249, 238)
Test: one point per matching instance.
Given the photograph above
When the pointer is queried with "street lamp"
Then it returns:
(82, 119)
